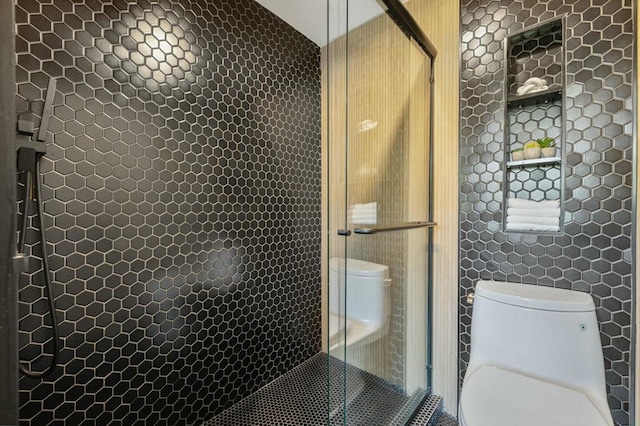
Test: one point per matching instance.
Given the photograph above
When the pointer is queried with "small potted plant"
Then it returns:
(547, 147)
(531, 150)
(517, 154)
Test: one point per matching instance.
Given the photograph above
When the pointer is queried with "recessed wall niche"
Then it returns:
(534, 113)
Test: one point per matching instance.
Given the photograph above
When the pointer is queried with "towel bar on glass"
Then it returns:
(401, 227)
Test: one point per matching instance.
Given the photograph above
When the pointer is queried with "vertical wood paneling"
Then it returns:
(440, 21)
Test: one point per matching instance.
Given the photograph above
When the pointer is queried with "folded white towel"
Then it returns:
(363, 211)
(532, 227)
(371, 220)
(530, 204)
(363, 216)
(372, 205)
(534, 220)
(538, 212)
(365, 221)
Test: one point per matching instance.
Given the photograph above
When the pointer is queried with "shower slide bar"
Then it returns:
(30, 153)
(402, 227)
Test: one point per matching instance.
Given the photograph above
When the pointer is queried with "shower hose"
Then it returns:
(24, 368)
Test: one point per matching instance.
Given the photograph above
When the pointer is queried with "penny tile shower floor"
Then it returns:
(299, 398)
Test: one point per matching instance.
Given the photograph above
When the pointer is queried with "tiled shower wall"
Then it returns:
(182, 200)
(593, 255)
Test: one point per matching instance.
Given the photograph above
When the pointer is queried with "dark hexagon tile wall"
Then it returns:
(182, 199)
(593, 255)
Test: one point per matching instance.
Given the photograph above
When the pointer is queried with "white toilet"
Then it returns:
(365, 300)
(536, 359)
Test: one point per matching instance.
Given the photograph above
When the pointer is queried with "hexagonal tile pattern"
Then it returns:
(593, 254)
(182, 206)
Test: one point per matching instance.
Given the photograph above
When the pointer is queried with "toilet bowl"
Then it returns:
(536, 359)
(340, 328)
(359, 302)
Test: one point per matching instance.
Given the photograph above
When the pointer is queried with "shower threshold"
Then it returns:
(299, 398)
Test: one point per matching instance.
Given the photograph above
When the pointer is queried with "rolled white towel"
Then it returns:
(532, 227)
(532, 85)
(539, 89)
(527, 88)
(534, 220)
(530, 204)
(536, 81)
(538, 212)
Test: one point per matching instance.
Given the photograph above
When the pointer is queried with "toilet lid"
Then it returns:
(492, 396)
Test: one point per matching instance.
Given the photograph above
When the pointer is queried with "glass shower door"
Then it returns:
(376, 196)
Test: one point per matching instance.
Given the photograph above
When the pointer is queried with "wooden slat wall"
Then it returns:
(440, 20)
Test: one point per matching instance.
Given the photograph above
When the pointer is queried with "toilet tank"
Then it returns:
(541, 332)
(367, 290)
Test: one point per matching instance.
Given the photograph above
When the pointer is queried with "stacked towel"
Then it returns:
(365, 214)
(528, 215)
(528, 204)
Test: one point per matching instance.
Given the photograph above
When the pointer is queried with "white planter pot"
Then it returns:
(548, 152)
(517, 156)
(531, 153)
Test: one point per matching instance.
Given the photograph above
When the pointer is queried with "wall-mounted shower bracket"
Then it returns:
(38, 147)
(27, 127)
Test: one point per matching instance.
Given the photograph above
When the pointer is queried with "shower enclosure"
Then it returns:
(238, 219)
(377, 192)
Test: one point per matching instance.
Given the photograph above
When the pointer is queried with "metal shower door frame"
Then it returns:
(8, 272)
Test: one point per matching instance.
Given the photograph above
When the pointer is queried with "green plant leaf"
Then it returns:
(546, 142)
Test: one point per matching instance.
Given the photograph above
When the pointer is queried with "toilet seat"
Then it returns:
(492, 396)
